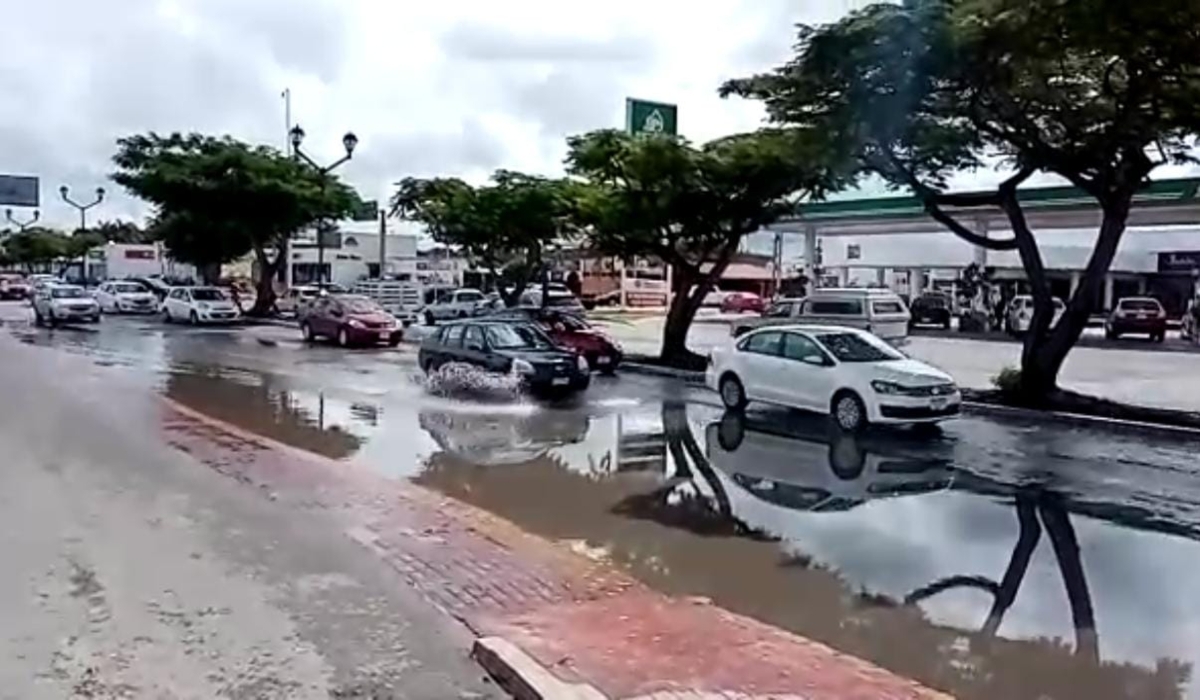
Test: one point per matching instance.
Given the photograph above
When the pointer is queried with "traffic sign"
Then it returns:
(18, 190)
(645, 117)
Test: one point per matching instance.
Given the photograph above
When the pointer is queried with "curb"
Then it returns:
(524, 678)
(979, 408)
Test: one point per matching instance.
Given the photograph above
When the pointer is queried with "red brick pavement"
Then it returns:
(584, 620)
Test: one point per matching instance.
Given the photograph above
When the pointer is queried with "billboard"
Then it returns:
(645, 117)
(18, 191)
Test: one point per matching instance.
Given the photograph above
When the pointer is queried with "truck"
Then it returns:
(401, 299)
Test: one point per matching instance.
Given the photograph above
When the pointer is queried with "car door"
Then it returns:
(103, 297)
(760, 362)
(174, 304)
(450, 349)
(474, 347)
(806, 378)
(317, 317)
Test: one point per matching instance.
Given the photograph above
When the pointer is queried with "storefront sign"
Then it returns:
(1182, 261)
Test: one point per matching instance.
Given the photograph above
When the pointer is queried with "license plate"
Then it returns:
(939, 404)
(603, 360)
(559, 381)
(383, 335)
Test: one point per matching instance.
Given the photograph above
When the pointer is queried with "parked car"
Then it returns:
(460, 303)
(125, 297)
(572, 332)
(930, 309)
(1137, 315)
(877, 311)
(507, 347)
(350, 319)
(1019, 315)
(199, 305)
(1188, 326)
(852, 375)
(55, 303)
(296, 299)
(558, 297)
(14, 287)
(742, 302)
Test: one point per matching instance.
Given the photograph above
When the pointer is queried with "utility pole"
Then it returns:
(287, 147)
(382, 244)
(65, 193)
(349, 141)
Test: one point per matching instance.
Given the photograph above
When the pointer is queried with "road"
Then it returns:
(953, 559)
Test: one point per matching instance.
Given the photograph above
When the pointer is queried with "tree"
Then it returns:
(1096, 92)
(122, 232)
(657, 196)
(505, 226)
(35, 246)
(218, 199)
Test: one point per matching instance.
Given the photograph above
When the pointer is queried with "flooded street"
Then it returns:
(992, 560)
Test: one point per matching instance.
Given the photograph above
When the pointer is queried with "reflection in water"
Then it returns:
(815, 533)
(255, 401)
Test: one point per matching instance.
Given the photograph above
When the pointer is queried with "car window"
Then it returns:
(68, 293)
(762, 344)
(453, 337)
(361, 305)
(834, 307)
(855, 347)
(502, 337)
(467, 297)
(126, 288)
(176, 294)
(887, 307)
(207, 295)
(473, 338)
(1138, 305)
(801, 348)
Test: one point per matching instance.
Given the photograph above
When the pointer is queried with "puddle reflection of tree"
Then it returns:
(264, 408)
(897, 636)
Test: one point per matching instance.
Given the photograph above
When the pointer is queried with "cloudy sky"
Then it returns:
(454, 87)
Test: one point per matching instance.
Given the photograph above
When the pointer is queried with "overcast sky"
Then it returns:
(457, 87)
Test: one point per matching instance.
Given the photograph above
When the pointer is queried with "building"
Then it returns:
(353, 253)
(123, 260)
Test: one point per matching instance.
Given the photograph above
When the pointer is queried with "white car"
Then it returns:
(852, 375)
(1019, 314)
(199, 305)
(126, 297)
(55, 303)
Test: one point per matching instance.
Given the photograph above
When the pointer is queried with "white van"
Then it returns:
(877, 311)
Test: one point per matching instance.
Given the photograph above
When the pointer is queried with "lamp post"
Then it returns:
(65, 192)
(21, 225)
(349, 142)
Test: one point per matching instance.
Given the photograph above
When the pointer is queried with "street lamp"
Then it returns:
(21, 225)
(65, 192)
(349, 142)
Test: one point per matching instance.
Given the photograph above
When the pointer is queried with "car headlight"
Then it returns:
(890, 388)
(203, 305)
(582, 363)
(355, 323)
(522, 367)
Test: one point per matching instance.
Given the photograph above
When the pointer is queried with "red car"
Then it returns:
(350, 320)
(742, 302)
(573, 333)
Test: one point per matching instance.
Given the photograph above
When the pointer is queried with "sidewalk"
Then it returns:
(562, 624)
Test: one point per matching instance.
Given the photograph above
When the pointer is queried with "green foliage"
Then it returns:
(922, 89)
(1008, 381)
(219, 198)
(505, 225)
(35, 246)
(122, 232)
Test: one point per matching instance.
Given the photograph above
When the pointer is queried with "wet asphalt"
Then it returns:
(989, 559)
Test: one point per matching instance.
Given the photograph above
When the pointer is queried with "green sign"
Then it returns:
(643, 117)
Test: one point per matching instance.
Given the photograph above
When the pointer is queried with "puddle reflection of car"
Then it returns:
(812, 468)
(503, 438)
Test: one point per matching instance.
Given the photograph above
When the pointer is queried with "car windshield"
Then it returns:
(360, 305)
(68, 293)
(1139, 305)
(208, 295)
(852, 347)
(933, 301)
(128, 288)
(514, 337)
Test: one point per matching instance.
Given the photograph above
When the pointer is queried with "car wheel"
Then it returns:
(1111, 334)
(731, 431)
(307, 332)
(194, 318)
(849, 413)
(429, 319)
(167, 316)
(393, 341)
(462, 314)
(343, 338)
(1160, 337)
(733, 394)
(37, 319)
(946, 324)
(846, 458)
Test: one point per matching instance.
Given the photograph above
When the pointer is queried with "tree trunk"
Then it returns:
(264, 303)
(1045, 348)
(689, 286)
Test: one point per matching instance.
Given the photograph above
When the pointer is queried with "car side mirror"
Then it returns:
(815, 360)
